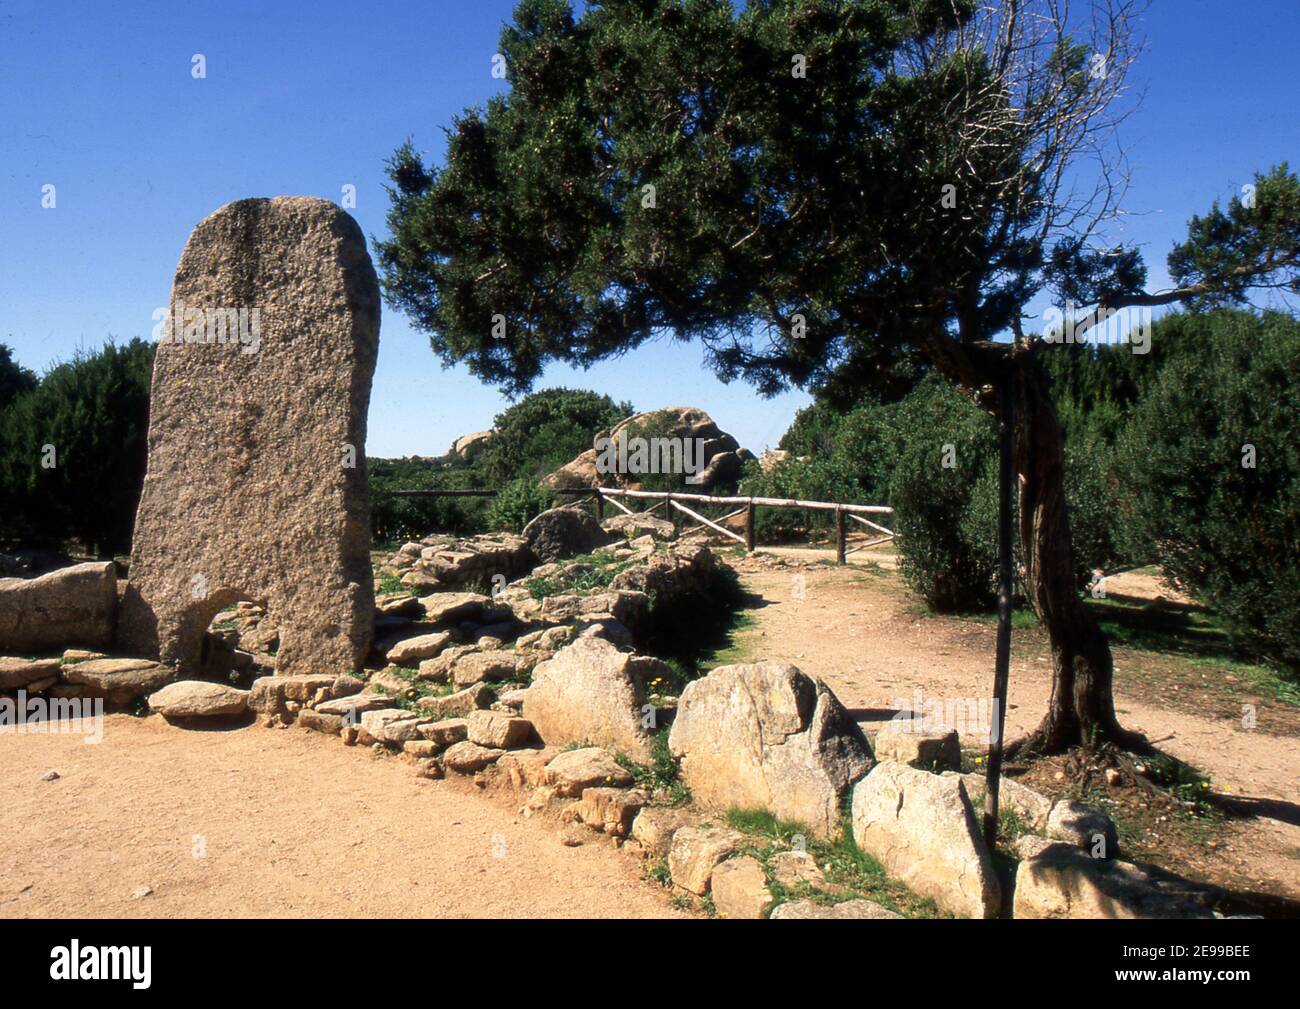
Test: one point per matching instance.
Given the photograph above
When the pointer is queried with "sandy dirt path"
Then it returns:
(289, 822)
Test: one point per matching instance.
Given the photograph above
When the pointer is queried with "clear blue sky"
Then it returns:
(98, 99)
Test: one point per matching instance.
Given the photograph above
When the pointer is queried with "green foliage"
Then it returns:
(531, 438)
(661, 777)
(517, 503)
(94, 413)
(14, 378)
(945, 456)
(545, 430)
(1227, 532)
(394, 519)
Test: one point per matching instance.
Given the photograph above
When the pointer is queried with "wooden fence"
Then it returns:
(748, 506)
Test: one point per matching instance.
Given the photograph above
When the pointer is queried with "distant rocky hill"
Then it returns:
(713, 458)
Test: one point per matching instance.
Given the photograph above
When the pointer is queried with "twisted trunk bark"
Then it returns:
(1082, 707)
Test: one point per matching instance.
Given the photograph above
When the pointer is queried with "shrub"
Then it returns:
(947, 448)
(73, 450)
(1227, 531)
(518, 503)
(545, 430)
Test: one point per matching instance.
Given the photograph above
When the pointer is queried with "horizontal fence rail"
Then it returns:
(676, 503)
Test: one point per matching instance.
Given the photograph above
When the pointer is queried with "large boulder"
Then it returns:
(470, 446)
(564, 532)
(768, 736)
(922, 828)
(1057, 879)
(190, 699)
(590, 692)
(715, 458)
(76, 605)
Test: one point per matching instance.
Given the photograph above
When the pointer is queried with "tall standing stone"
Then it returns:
(256, 484)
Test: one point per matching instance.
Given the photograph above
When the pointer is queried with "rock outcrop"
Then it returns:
(590, 692)
(922, 829)
(768, 736)
(564, 532)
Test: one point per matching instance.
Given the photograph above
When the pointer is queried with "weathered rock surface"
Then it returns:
(18, 672)
(416, 649)
(459, 704)
(697, 851)
(1083, 825)
(118, 681)
(320, 721)
(1030, 806)
(714, 456)
(767, 736)
(574, 770)
(446, 732)
(477, 562)
(898, 741)
(655, 826)
(392, 725)
(467, 757)
(634, 526)
(740, 890)
(470, 446)
(590, 692)
(611, 810)
(257, 433)
(481, 667)
(792, 868)
(75, 605)
(564, 532)
(922, 829)
(269, 693)
(1057, 879)
(498, 730)
(355, 705)
(188, 699)
(849, 909)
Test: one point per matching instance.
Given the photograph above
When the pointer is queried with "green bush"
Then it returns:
(545, 430)
(517, 503)
(73, 451)
(1227, 532)
(947, 450)
(394, 519)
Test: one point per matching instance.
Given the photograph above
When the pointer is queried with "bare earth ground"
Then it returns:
(861, 631)
(293, 824)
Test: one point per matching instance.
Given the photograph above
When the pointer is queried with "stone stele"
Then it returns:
(256, 483)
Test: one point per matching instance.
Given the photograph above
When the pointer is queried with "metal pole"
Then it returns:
(1006, 586)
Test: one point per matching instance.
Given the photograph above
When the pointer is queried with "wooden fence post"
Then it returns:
(749, 527)
(600, 507)
(840, 555)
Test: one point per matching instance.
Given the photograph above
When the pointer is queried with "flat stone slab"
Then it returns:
(189, 699)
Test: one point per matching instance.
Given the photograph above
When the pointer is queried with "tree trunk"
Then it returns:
(1082, 707)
